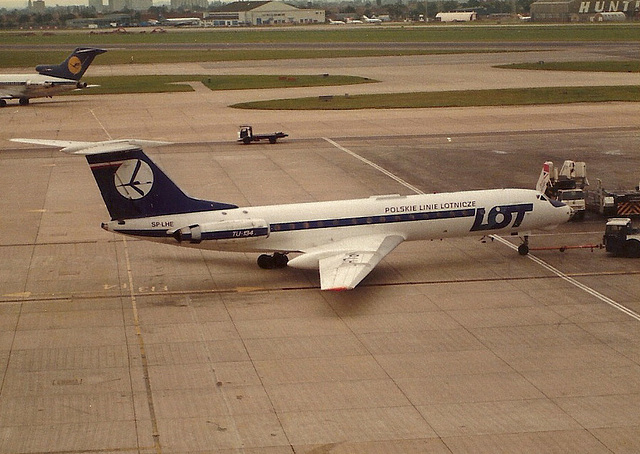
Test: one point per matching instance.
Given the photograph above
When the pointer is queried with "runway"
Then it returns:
(113, 345)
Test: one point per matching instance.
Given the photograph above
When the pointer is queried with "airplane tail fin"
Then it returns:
(133, 186)
(74, 66)
(544, 178)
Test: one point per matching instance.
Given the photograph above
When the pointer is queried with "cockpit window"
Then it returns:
(544, 198)
(556, 203)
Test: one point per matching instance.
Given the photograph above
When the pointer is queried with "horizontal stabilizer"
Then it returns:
(131, 184)
(90, 148)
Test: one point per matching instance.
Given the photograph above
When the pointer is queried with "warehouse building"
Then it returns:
(615, 16)
(583, 10)
(456, 16)
(262, 13)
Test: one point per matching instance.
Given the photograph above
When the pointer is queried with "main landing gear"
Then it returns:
(523, 249)
(270, 262)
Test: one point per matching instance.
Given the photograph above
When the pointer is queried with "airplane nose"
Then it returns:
(564, 211)
(568, 213)
(562, 214)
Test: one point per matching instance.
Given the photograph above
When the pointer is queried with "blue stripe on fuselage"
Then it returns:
(499, 217)
(332, 223)
(371, 220)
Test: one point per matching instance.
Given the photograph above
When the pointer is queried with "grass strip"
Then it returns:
(378, 34)
(629, 66)
(462, 98)
(176, 83)
(25, 59)
(243, 82)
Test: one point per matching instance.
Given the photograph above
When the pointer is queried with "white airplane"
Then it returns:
(336, 22)
(371, 20)
(50, 80)
(344, 239)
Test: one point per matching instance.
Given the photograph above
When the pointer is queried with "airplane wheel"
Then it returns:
(269, 262)
(280, 260)
(266, 262)
(523, 249)
(632, 248)
(24, 101)
(272, 140)
(3, 103)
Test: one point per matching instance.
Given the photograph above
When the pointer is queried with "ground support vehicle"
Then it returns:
(566, 185)
(614, 203)
(246, 135)
(621, 239)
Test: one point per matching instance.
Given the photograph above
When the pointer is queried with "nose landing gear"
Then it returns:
(523, 249)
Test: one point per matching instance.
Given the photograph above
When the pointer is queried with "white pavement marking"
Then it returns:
(572, 281)
(375, 166)
(101, 125)
(143, 356)
(540, 262)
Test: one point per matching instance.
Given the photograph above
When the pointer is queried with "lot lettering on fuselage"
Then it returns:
(500, 217)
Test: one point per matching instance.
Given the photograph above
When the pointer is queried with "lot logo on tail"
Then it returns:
(134, 179)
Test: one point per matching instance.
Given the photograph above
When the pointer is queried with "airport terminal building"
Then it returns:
(262, 13)
(585, 10)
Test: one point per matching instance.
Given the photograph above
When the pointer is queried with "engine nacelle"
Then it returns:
(30, 83)
(81, 85)
(242, 229)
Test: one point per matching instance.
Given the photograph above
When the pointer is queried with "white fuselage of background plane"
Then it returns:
(34, 85)
(299, 227)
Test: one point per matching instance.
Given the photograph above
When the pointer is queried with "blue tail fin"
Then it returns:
(74, 66)
(133, 186)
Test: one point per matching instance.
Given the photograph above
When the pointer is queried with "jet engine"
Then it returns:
(30, 83)
(241, 229)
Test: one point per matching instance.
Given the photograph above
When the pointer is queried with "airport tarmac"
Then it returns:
(114, 345)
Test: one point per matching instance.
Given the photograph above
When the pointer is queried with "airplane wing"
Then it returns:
(345, 270)
(345, 263)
